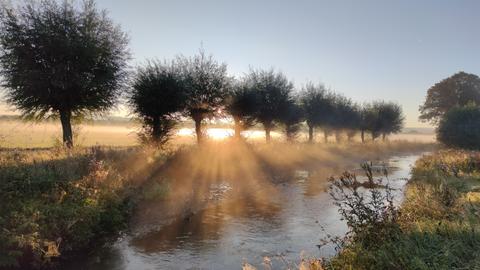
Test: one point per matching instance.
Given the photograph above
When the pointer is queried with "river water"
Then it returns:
(283, 228)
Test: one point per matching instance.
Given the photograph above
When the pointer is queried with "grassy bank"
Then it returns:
(436, 227)
(55, 202)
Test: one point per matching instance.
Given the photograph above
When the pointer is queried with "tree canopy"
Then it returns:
(391, 118)
(457, 90)
(381, 118)
(207, 85)
(242, 104)
(460, 127)
(317, 105)
(60, 60)
(292, 115)
(274, 91)
(157, 96)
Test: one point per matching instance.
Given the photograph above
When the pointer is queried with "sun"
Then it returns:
(219, 133)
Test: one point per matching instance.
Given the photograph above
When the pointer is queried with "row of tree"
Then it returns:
(199, 88)
(64, 60)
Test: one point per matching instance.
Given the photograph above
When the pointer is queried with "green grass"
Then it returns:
(56, 202)
(438, 224)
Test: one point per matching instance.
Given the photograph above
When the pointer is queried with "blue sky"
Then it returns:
(391, 50)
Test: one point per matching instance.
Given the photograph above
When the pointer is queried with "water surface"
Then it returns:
(284, 227)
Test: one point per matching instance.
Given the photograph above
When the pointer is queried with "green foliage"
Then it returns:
(317, 104)
(292, 116)
(460, 127)
(344, 114)
(381, 118)
(370, 214)
(459, 89)
(274, 91)
(58, 60)
(391, 118)
(242, 104)
(207, 85)
(438, 224)
(55, 206)
(157, 96)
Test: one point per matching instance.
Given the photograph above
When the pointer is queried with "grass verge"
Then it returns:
(55, 202)
(436, 227)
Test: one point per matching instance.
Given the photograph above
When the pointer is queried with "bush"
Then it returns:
(460, 127)
(367, 207)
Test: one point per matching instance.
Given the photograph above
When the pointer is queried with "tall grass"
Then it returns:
(55, 202)
(438, 223)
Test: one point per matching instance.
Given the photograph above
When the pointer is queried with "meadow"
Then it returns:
(22, 134)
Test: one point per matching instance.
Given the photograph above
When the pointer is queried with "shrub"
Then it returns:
(367, 207)
(436, 227)
(460, 127)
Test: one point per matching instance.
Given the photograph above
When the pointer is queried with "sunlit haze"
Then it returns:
(364, 49)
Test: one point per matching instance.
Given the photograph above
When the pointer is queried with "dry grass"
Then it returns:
(439, 220)
(18, 134)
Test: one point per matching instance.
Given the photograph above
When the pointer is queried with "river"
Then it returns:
(284, 228)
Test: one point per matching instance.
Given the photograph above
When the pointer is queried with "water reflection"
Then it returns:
(282, 220)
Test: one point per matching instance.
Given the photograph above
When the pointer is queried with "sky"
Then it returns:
(366, 50)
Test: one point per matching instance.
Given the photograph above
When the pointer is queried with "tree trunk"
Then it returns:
(156, 129)
(65, 117)
(384, 135)
(238, 128)
(288, 135)
(373, 136)
(325, 136)
(198, 128)
(337, 136)
(310, 134)
(363, 136)
(267, 134)
(350, 136)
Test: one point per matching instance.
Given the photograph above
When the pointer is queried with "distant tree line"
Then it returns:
(263, 97)
(67, 61)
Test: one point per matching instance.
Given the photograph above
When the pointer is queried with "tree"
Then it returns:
(59, 60)
(292, 115)
(370, 120)
(207, 86)
(381, 118)
(274, 90)
(343, 115)
(456, 90)
(242, 104)
(157, 96)
(353, 120)
(367, 119)
(391, 118)
(460, 127)
(316, 105)
(327, 123)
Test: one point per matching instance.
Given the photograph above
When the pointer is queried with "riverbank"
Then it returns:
(436, 227)
(56, 203)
